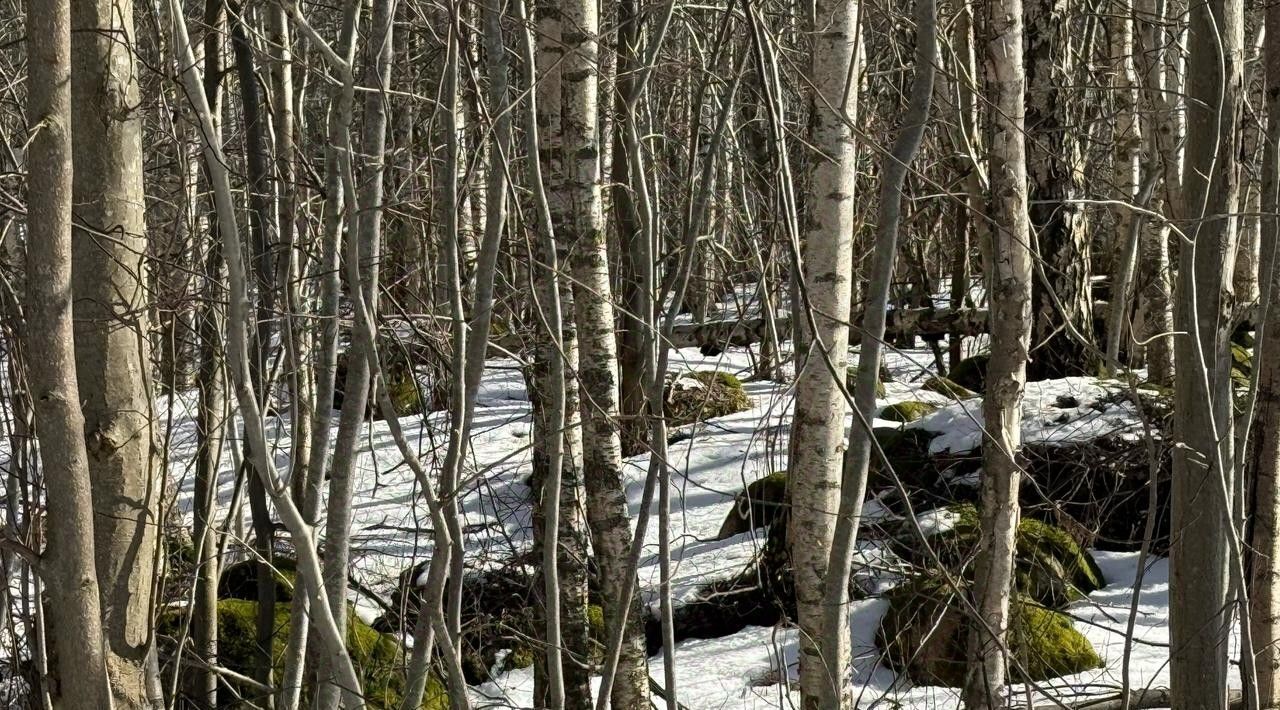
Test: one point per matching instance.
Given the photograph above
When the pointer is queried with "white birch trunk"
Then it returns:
(1010, 280)
(817, 442)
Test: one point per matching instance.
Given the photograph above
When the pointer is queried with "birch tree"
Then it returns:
(1011, 293)
(1162, 135)
(1264, 590)
(1063, 303)
(817, 438)
(606, 500)
(1126, 150)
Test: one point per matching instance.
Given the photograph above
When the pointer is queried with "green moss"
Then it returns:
(1047, 556)
(402, 389)
(924, 635)
(971, 372)
(1241, 365)
(946, 388)
(908, 411)
(1048, 644)
(379, 658)
(520, 658)
(757, 506)
(717, 394)
(1050, 567)
(1243, 337)
(851, 380)
(595, 620)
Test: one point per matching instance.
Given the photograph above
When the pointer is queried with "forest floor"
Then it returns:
(742, 670)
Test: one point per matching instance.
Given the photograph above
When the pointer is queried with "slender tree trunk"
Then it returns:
(1011, 293)
(70, 576)
(257, 167)
(606, 501)
(1126, 151)
(1162, 133)
(631, 356)
(212, 413)
(966, 138)
(1200, 617)
(1264, 598)
(360, 262)
(333, 644)
(549, 377)
(328, 272)
(210, 428)
(818, 426)
(836, 642)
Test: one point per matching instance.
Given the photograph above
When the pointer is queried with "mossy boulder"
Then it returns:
(403, 390)
(690, 398)
(907, 451)
(699, 396)
(500, 616)
(851, 380)
(1244, 337)
(946, 387)
(1050, 566)
(401, 384)
(379, 658)
(240, 580)
(971, 372)
(757, 506)
(908, 411)
(924, 635)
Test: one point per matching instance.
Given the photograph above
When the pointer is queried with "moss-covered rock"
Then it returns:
(703, 395)
(379, 658)
(971, 372)
(757, 506)
(924, 635)
(401, 384)
(403, 390)
(851, 380)
(499, 616)
(1050, 566)
(946, 387)
(1244, 337)
(908, 411)
(1241, 365)
(240, 580)
(907, 451)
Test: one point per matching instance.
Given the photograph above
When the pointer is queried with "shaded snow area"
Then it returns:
(391, 529)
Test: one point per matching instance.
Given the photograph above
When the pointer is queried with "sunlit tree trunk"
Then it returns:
(818, 426)
(1011, 292)
(113, 355)
(606, 502)
(70, 577)
(1126, 150)
(1264, 599)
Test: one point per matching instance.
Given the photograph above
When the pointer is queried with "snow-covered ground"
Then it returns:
(743, 670)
